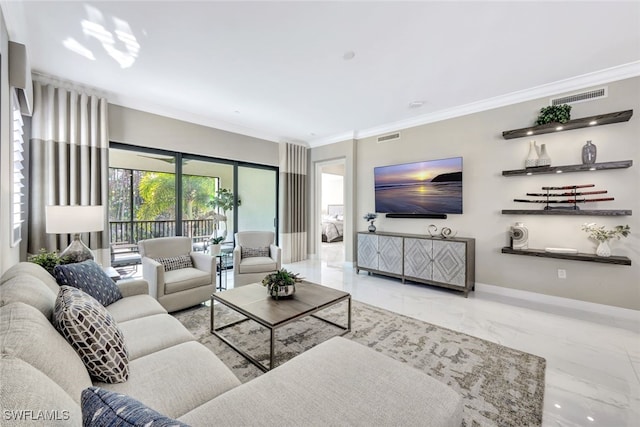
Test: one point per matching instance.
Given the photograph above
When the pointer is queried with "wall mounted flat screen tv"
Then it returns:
(429, 187)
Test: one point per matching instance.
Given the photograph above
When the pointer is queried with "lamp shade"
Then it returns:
(74, 219)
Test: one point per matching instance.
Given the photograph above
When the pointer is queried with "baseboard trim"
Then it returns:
(591, 307)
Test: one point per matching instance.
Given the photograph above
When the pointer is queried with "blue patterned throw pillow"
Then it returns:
(102, 407)
(89, 277)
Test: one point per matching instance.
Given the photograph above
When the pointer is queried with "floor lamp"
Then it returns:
(74, 220)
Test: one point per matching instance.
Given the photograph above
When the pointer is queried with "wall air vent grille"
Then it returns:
(389, 138)
(575, 98)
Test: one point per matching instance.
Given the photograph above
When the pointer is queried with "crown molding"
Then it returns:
(346, 136)
(608, 75)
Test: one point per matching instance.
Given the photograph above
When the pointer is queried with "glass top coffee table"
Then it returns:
(253, 302)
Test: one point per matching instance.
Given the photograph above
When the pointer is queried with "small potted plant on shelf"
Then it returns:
(602, 236)
(554, 114)
(281, 284)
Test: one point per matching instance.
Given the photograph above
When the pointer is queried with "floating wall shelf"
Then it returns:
(620, 260)
(569, 168)
(592, 212)
(599, 120)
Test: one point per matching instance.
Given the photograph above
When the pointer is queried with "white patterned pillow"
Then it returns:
(254, 252)
(175, 262)
(93, 333)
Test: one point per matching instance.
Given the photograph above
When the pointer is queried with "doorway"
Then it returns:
(330, 176)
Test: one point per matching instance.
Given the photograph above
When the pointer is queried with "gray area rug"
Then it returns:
(500, 386)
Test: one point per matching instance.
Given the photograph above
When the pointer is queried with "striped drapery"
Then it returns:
(293, 179)
(68, 161)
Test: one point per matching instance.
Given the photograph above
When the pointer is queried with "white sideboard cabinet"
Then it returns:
(448, 263)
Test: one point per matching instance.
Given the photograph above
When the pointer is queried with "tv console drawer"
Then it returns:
(448, 263)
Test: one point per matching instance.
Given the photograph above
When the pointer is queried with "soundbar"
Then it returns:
(410, 215)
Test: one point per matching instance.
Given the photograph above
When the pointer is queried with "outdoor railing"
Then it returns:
(134, 231)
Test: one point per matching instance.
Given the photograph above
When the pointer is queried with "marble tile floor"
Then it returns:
(593, 361)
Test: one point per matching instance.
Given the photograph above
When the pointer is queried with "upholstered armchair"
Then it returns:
(177, 276)
(254, 256)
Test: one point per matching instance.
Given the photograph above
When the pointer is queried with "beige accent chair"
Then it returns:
(253, 269)
(182, 288)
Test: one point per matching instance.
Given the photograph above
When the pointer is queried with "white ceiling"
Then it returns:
(276, 70)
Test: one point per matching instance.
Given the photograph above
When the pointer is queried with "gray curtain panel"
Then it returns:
(293, 179)
(69, 161)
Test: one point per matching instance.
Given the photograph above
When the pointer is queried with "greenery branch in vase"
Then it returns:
(602, 236)
(223, 199)
(281, 284)
(371, 217)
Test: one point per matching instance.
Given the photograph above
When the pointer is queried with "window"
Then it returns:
(17, 176)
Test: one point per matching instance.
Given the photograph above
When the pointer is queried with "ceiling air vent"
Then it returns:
(389, 138)
(575, 98)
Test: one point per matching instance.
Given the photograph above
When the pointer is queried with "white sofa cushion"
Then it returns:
(29, 397)
(177, 379)
(185, 278)
(29, 290)
(257, 265)
(135, 307)
(338, 382)
(24, 269)
(153, 333)
(26, 334)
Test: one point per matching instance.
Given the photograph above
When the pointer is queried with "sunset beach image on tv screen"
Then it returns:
(429, 187)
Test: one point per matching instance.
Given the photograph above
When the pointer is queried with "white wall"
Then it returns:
(317, 156)
(143, 129)
(478, 138)
(332, 190)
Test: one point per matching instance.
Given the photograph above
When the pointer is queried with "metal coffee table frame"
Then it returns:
(265, 301)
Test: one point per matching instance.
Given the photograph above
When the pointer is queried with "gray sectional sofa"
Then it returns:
(337, 382)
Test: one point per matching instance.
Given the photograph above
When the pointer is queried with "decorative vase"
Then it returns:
(589, 152)
(603, 249)
(281, 291)
(543, 158)
(215, 249)
(372, 228)
(532, 157)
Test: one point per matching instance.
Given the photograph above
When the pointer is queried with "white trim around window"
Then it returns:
(17, 167)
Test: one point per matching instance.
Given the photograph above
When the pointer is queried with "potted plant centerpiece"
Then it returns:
(602, 235)
(281, 284)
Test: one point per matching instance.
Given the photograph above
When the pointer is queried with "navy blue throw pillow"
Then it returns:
(89, 277)
(102, 407)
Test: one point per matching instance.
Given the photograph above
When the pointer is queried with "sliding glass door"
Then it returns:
(157, 193)
(257, 199)
(142, 196)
